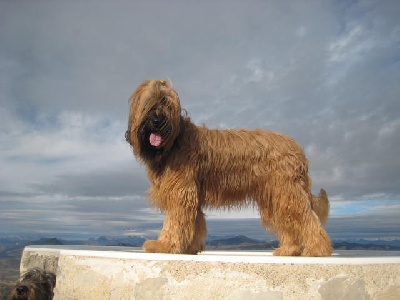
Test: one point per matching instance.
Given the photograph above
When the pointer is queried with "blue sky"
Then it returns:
(323, 72)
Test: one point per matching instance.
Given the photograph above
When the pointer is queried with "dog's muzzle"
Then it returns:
(22, 290)
(155, 128)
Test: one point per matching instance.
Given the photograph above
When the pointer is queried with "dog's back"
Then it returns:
(233, 163)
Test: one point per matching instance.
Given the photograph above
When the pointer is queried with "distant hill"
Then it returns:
(12, 247)
(245, 243)
(370, 246)
(240, 242)
(237, 240)
(395, 243)
(132, 241)
(45, 241)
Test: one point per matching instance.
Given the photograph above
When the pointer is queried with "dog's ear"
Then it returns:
(128, 136)
(184, 113)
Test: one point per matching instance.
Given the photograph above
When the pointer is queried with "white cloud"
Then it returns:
(301, 31)
(72, 134)
(69, 144)
(390, 129)
(258, 73)
(345, 51)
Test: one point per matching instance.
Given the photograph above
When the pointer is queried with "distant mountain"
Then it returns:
(244, 243)
(45, 241)
(131, 241)
(12, 247)
(370, 246)
(240, 242)
(13, 240)
(395, 243)
(236, 240)
(102, 241)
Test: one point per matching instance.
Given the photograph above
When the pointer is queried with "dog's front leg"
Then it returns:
(184, 230)
(177, 233)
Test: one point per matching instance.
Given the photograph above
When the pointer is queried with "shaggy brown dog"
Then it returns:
(191, 168)
(35, 284)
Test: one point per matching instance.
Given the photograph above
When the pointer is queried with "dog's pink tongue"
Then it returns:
(155, 139)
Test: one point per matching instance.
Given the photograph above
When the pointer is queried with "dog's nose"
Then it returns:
(22, 289)
(156, 121)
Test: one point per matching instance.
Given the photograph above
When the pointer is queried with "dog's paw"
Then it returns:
(156, 246)
(152, 246)
(318, 252)
(194, 249)
(288, 251)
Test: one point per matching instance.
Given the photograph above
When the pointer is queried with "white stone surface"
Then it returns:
(86, 272)
(339, 257)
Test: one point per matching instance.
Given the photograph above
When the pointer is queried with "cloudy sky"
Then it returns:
(324, 72)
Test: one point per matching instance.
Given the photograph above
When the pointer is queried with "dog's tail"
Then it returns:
(320, 205)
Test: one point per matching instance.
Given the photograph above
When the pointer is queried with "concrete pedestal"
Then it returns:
(128, 273)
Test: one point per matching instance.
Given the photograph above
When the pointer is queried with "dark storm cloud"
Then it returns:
(325, 73)
(109, 182)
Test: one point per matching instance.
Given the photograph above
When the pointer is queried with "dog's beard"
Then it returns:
(154, 133)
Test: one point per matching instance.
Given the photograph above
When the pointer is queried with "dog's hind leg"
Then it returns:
(289, 244)
(299, 229)
(273, 220)
(315, 239)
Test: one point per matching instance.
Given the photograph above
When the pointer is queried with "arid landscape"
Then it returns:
(9, 268)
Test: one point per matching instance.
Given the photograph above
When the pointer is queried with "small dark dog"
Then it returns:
(35, 284)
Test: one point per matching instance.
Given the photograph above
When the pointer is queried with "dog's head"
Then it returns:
(35, 284)
(154, 119)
